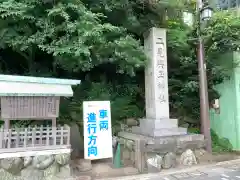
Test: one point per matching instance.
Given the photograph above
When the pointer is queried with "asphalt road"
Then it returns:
(227, 172)
(222, 171)
(223, 176)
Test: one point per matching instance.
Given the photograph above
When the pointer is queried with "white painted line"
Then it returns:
(224, 175)
(195, 174)
(224, 179)
(215, 169)
(238, 177)
(166, 178)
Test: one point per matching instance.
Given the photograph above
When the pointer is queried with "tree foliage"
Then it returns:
(222, 34)
(76, 37)
(100, 42)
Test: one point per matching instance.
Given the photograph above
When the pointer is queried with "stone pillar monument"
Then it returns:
(157, 133)
(157, 122)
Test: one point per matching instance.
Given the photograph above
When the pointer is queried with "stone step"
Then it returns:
(168, 132)
(150, 140)
(159, 132)
(158, 123)
(190, 137)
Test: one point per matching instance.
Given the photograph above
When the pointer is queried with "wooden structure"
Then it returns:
(27, 107)
(36, 138)
(25, 97)
(32, 98)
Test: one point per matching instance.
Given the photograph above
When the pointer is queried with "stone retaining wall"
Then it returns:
(152, 155)
(155, 161)
(39, 167)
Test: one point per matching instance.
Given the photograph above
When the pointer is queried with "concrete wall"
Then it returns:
(226, 123)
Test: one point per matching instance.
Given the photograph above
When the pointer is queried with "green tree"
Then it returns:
(222, 34)
(77, 38)
(100, 42)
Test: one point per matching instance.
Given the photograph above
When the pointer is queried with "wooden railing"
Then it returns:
(34, 138)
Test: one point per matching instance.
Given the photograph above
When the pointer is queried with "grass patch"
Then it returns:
(218, 144)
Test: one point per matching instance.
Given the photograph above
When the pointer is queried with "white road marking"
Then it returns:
(238, 177)
(165, 178)
(195, 174)
(224, 175)
(224, 179)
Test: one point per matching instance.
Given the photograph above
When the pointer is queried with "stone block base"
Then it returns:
(40, 167)
(137, 149)
(160, 132)
(159, 128)
(158, 123)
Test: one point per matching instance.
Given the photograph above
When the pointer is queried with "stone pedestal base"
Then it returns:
(40, 167)
(159, 128)
(140, 147)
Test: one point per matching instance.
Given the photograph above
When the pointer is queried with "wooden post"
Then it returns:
(62, 134)
(25, 140)
(33, 136)
(54, 122)
(6, 124)
(17, 137)
(54, 130)
(1, 137)
(68, 135)
(41, 134)
(54, 135)
(9, 138)
(47, 136)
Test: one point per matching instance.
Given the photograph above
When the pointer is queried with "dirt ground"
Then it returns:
(219, 157)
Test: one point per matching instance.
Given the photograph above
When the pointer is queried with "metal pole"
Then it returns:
(203, 91)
